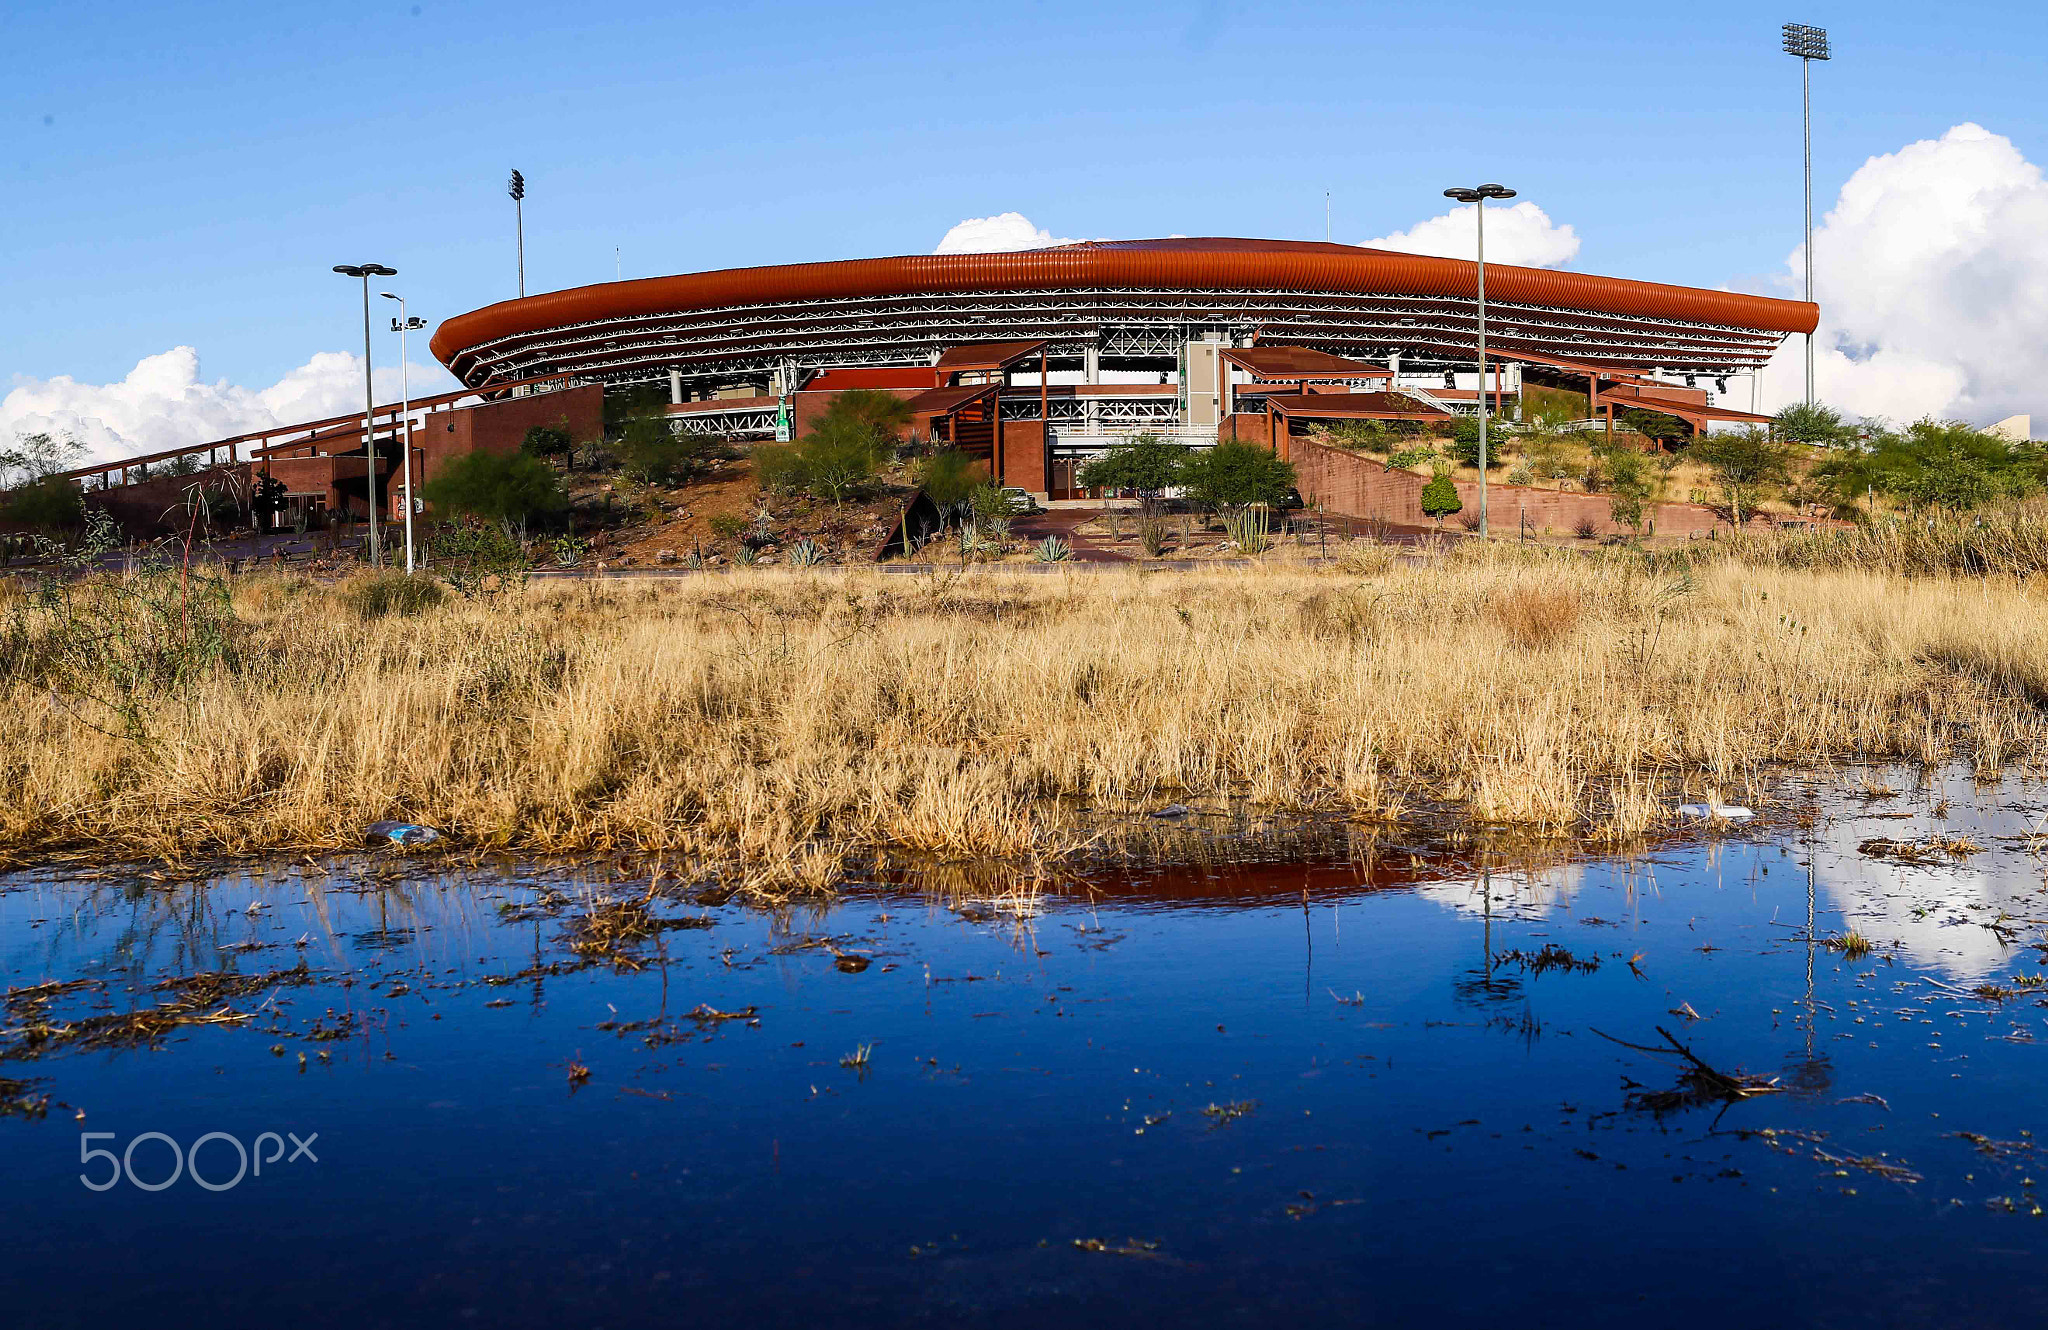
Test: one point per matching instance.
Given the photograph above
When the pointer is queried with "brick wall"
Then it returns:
(1361, 486)
(1024, 455)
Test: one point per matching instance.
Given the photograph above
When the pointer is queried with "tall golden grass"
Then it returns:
(771, 722)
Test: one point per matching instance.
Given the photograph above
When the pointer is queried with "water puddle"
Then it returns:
(1793, 1073)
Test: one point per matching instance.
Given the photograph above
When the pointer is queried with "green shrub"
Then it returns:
(50, 504)
(1440, 497)
(1236, 475)
(479, 557)
(508, 488)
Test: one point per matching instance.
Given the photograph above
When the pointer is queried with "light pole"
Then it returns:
(1808, 45)
(1477, 197)
(517, 189)
(366, 271)
(402, 325)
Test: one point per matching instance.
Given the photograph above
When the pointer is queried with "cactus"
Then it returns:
(1053, 550)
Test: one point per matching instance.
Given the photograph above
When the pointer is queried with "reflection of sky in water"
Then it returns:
(1936, 911)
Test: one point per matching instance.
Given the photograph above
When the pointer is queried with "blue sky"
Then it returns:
(187, 174)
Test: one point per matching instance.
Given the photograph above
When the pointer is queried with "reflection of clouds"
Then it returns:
(1525, 893)
(1935, 911)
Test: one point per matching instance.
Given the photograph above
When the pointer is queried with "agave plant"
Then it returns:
(746, 556)
(805, 553)
(1053, 550)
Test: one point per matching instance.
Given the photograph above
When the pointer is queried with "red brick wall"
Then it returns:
(1360, 486)
(497, 427)
(1024, 455)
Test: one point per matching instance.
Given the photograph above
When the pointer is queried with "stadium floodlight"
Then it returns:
(516, 187)
(1477, 196)
(402, 325)
(366, 271)
(1807, 44)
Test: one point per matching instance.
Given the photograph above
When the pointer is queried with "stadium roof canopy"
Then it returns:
(1129, 302)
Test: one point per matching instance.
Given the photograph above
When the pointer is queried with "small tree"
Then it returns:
(1234, 476)
(550, 442)
(1147, 466)
(949, 481)
(1653, 425)
(881, 416)
(838, 457)
(1815, 424)
(1440, 498)
(1465, 441)
(266, 501)
(510, 489)
(1743, 462)
(34, 456)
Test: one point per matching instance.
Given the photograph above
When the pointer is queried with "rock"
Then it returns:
(664, 556)
(602, 566)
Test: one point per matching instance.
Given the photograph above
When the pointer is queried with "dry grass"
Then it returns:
(770, 722)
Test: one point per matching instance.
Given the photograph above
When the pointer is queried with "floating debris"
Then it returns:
(399, 833)
(1716, 812)
(1222, 1115)
(1138, 1247)
(1551, 957)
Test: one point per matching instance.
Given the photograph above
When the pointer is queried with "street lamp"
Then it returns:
(1478, 197)
(1807, 45)
(402, 325)
(366, 271)
(516, 187)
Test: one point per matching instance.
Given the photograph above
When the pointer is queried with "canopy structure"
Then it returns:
(1115, 305)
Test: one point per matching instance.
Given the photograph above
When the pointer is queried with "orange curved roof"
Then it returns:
(1178, 264)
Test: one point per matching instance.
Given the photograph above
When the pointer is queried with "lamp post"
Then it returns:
(516, 187)
(402, 325)
(1477, 196)
(1807, 45)
(366, 271)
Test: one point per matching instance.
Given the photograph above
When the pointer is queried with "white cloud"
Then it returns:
(1932, 280)
(164, 404)
(989, 235)
(1520, 234)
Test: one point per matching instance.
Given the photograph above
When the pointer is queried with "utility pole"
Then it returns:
(366, 271)
(1808, 44)
(517, 189)
(402, 325)
(1478, 197)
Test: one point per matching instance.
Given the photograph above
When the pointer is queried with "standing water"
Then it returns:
(1789, 1074)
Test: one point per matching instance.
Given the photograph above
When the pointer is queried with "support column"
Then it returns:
(675, 387)
(1092, 364)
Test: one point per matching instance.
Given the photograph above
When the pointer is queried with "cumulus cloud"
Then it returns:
(1933, 286)
(989, 235)
(1520, 234)
(164, 404)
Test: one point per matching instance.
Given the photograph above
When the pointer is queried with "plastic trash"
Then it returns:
(1172, 810)
(400, 833)
(1724, 812)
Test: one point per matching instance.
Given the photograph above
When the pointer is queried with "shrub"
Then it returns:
(728, 526)
(1146, 466)
(549, 442)
(653, 454)
(480, 557)
(1465, 441)
(507, 488)
(1235, 475)
(1052, 550)
(49, 504)
(1584, 528)
(382, 595)
(949, 480)
(1440, 498)
(1152, 535)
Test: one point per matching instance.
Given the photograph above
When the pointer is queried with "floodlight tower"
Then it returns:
(517, 189)
(1478, 196)
(1808, 44)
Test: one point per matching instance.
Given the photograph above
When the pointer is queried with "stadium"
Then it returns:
(1038, 358)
